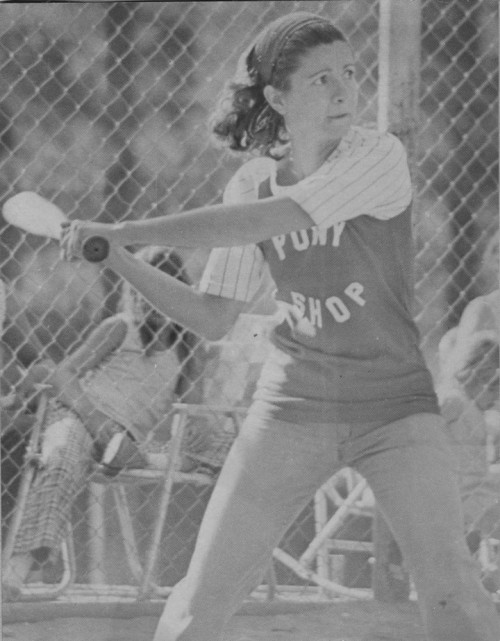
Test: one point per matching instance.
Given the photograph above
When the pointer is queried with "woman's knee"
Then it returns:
(64, 439)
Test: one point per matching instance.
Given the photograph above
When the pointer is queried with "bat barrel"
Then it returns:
(95, 249)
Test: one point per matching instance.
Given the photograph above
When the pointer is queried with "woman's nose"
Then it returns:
(339, 92)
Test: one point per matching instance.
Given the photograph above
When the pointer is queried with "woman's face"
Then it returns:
(321, 100)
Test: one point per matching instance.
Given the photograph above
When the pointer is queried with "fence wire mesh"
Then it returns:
(104, 110)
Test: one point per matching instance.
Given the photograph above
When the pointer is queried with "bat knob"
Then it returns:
(95, 249)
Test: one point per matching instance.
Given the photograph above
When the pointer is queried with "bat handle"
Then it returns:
(95, 249)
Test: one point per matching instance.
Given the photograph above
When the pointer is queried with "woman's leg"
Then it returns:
(409, 467)
(271, 473)
(65, 455)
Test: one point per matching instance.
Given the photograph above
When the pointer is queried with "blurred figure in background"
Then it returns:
(17, 413)
(114, 390)
(469, 399)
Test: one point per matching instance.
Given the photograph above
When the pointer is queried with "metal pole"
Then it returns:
(384, 82)
(404, 74)
(398, 107)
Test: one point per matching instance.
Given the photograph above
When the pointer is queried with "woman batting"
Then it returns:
(326, 207)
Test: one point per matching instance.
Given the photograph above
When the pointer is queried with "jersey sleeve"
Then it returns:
(237, 272)
(371, 178)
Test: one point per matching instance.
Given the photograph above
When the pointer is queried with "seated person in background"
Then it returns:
(468, 389)
(121, 381)
(16, 422)
(17, 415)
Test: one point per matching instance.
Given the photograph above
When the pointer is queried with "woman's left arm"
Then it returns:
(213, 226)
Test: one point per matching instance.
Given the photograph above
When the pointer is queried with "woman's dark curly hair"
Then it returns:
(244, 120)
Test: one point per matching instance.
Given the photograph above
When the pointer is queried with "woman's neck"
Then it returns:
(306, 158)
(302, 161)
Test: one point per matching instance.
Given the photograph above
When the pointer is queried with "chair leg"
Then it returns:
(69, 565)
(313, 577)
(271, 582)
(127, 528)
(49, 591)
(333, 524)
(178, 426)
(96, 525)
(320, 520)
(318, 549)
(71, 555)
(26, 481)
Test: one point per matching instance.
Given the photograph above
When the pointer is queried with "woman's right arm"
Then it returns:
(210, 317)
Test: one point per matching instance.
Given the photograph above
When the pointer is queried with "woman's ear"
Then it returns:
(275, 99)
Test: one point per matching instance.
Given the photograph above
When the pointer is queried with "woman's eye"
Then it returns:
(349, 73)
(321, 80)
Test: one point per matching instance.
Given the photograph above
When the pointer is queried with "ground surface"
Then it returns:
(351, 621)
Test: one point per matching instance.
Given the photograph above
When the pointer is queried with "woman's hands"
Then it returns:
(75, 233)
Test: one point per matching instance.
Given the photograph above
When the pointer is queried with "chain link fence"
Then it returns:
(104, 110)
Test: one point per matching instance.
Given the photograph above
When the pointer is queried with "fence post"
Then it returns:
(404, 70)
(398, 94)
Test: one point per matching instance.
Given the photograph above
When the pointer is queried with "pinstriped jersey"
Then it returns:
(347, 347)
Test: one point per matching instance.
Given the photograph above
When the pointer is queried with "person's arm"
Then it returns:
(107, 337)
(473, 361)
(210, 317)
(219, 225)
(479, 314)
(372, 179)
(212, 226)
(62, 378)
(67, 389)
(478, 324)
(102, 341)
